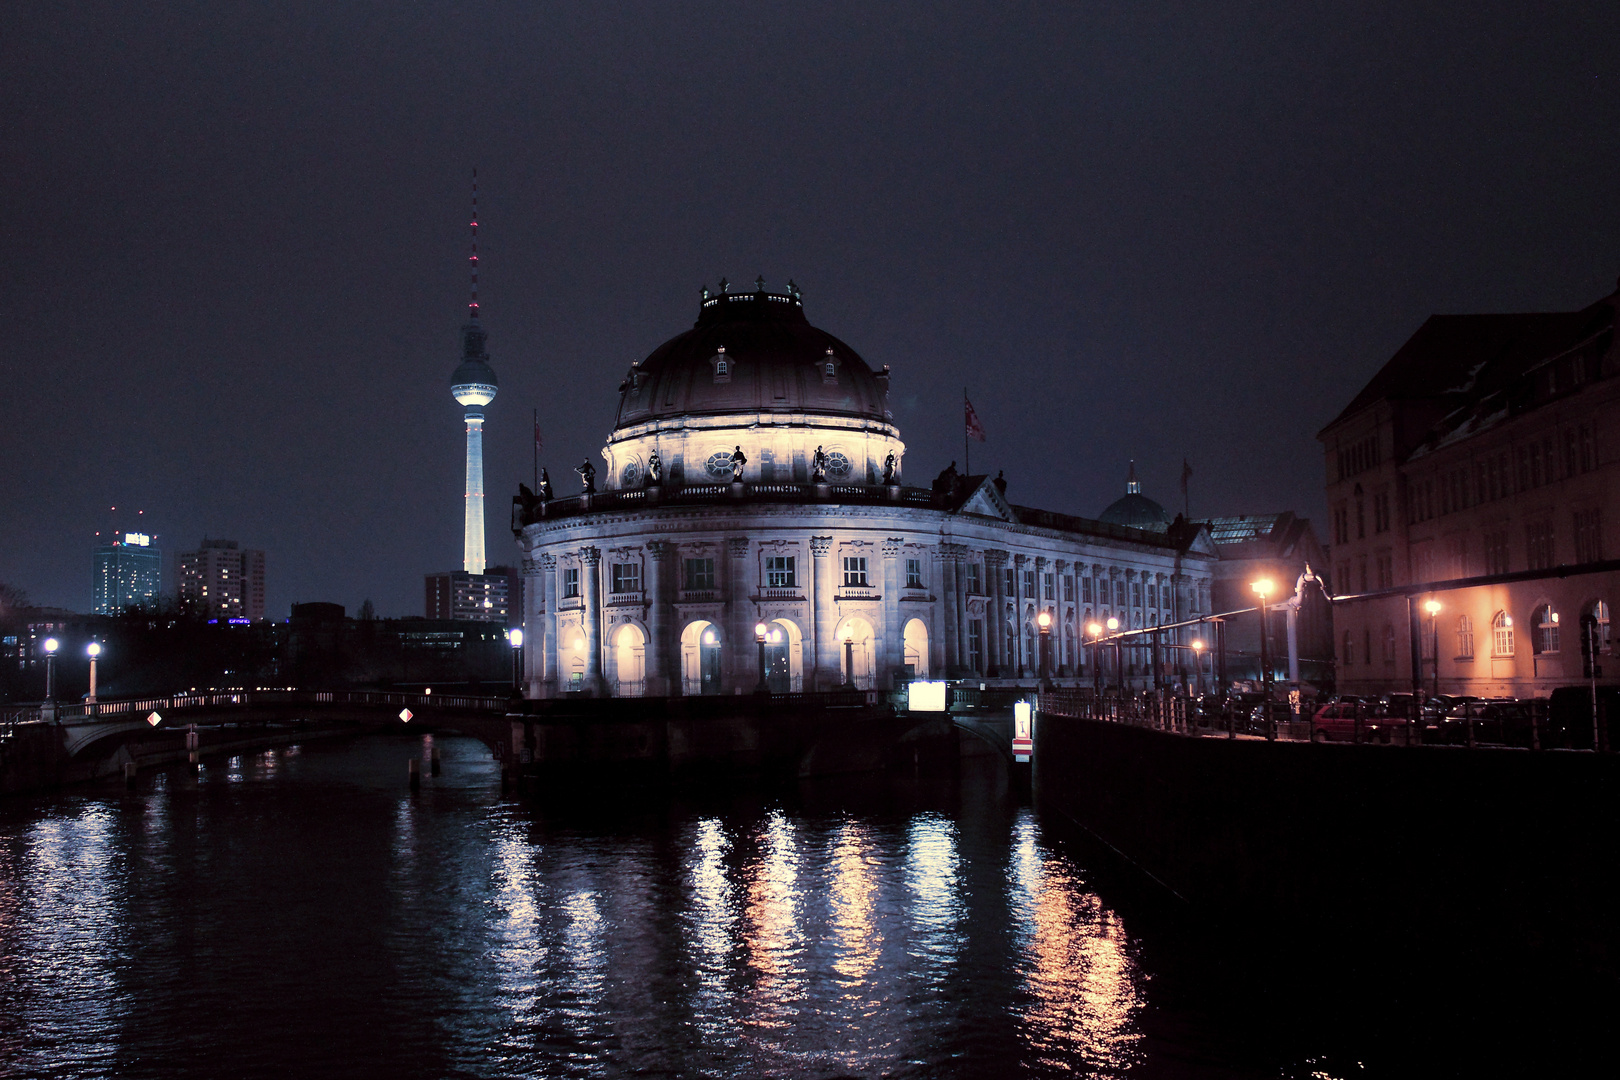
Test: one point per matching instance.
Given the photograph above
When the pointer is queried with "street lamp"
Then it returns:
(1044, 621)
(92, 650)
(515, 637)
(1432, 606)
(1119, 664)
(1095, 630)
(1198, 662)
(759, 636)
(849, 658)
(1262, 589)
(51, 645)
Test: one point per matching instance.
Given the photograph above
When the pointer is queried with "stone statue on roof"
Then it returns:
(818, 467)
(738, 460)
(587, 474)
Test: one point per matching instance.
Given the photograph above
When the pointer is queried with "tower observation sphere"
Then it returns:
(474, 386)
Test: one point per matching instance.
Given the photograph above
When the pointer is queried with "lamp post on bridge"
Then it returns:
(1095, 630)
(92, 650)
(1261, 589)
(515, 637)
(1044, 622)
(1119, 660)
(759, 637)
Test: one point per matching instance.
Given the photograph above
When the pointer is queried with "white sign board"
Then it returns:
(925, 696)
(1023, 744)
(154, 719)
(405, 715)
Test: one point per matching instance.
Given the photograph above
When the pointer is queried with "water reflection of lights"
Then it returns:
(853, 888)
(936, 902)
(772, 935)
(1085, 986)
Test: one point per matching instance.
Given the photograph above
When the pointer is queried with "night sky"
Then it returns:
(233, 240)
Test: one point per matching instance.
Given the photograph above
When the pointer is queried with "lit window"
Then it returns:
(1502, 634)
(780, 572)
(1544, 630)
(570, 581)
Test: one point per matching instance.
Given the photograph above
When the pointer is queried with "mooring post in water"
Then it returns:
(416, 775)
(129, 774)
(435, 767)
(191, 743)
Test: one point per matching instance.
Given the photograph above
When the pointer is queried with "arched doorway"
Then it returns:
(855, 654)
(700, 658)
(571, 649)
(629, 661)
(784, 657)
(915, 638)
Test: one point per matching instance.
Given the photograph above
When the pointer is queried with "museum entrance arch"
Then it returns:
(855, 652)
(629, 661)
(700, 658)
(784, 657)
(916, 649)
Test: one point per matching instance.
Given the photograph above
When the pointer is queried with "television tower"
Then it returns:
(474, 386)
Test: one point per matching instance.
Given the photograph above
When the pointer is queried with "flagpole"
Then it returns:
(967, 453)
(536, 448)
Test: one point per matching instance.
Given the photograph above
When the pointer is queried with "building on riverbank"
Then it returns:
(1485, 446)
(223, 580)
(754, 525)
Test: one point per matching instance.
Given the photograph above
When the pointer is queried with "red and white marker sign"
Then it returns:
(405, 715)
(154, 719)
(1022, 744)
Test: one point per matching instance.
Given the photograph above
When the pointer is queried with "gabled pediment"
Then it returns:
(987, 501)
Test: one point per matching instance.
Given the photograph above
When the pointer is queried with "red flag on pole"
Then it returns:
(975, 430)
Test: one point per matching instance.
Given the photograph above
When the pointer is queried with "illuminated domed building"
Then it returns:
(755, 488)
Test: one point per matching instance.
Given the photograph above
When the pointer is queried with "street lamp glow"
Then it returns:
(1432, 607)
(515, 636)
(1113, 623)
(1044, 619)
(1198, 645)
(51, 645)
(1094, 629)
(1263, 587)
(93, 649)
(759, 631)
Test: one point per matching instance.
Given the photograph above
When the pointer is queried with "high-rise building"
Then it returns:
(128, 572)
(469, 597)
(223, 580)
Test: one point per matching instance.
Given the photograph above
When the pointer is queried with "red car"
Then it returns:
(1336, 722)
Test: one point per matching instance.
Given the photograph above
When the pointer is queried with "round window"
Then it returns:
(719, 465)
(631, 476)
(838, 465)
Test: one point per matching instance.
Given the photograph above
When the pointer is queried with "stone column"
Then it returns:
(995, 564)
(964, 659)
(823, 618)
(534, 641)
(949, 618)
(659, 648)
(741, 659)
(1020, 646)
(1062, 635)
(546, 626)
(891, 635)
(590, 587)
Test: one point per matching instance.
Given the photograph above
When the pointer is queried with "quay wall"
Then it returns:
(1486, 856)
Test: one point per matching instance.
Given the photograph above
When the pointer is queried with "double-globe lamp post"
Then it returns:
(1119, 661)
(92, 650)
(1094, 629)
(1432, 606)
(759, 637)
(51, 645)
(1198, 664)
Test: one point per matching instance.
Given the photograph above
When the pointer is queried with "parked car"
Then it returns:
(1357, 721)
(1496, 722)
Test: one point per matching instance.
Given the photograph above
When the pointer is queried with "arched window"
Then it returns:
(1600, 615)
(1349, 656)
(1544, 630)
(1465, 637)
(1502, 634)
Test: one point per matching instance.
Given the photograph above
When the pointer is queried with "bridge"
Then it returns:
(797, 734)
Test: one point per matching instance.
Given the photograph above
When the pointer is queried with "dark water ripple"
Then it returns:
(300, 913)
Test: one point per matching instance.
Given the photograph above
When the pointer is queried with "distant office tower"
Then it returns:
(128, 573)
(223, 580)
(472, 597)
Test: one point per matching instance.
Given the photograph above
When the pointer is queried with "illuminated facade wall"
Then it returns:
(223, 580)
(126, 573)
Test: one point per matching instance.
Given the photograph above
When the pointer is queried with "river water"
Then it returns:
(301, 913)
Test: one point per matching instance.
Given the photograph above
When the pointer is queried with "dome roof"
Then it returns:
(1134, 509)
(752, 353)
(1138, 512)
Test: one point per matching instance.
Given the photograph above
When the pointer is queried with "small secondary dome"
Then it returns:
(1135, 510)
(752, 352)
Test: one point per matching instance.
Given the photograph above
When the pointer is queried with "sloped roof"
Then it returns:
(1458, 359)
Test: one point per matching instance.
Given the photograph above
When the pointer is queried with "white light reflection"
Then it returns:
(1085, 986)
(935, 940)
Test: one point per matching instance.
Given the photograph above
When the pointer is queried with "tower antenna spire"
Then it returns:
(472, 262)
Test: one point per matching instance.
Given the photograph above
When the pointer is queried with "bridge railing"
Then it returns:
(126, 708)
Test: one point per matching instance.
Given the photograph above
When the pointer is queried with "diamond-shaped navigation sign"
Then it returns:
(154, 719)
(405, 715)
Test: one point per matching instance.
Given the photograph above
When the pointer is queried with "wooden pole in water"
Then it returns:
(435, 767)
(129, 774)
(416, 774)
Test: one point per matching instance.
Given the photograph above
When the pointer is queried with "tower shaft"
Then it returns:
(473, 560)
